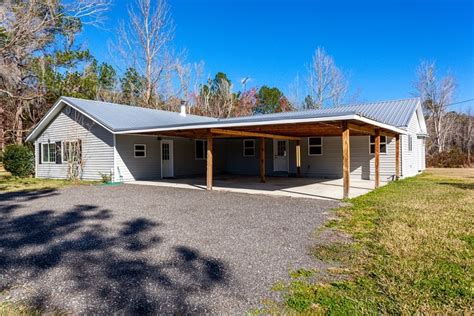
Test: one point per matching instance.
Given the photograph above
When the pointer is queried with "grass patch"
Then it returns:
(334, 252)
(412, 252)
(8, 309)
(9, 183)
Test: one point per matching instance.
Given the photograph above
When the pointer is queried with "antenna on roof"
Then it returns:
(244, 82)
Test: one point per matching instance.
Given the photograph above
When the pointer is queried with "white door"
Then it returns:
(421, 154)
(167, 159)
(280, 155)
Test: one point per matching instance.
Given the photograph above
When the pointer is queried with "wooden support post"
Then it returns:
(298, 158)
(346, 159)
(262, 160)
(397, 156)
(209, 162)
(377, 158)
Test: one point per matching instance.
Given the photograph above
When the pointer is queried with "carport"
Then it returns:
(290, 126)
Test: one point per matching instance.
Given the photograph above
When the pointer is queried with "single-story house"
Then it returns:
(381, 140)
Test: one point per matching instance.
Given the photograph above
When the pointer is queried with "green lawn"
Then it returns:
(13, 184)
(411, 252)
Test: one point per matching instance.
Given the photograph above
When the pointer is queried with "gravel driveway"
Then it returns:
(138, 249)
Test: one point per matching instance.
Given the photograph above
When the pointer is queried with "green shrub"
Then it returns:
(19, 160)
(106, 177)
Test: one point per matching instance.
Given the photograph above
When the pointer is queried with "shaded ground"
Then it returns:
(140, 249)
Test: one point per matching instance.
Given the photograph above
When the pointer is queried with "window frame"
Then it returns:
(43, 155)
(135, 150)
(381, 143)
(410, 143)
(244, 147)
(204, 149)
(310, 146)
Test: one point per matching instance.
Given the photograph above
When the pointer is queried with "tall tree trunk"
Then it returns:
(2, 129)
(19, 125)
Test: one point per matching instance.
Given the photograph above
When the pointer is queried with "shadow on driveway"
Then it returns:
(76, 253)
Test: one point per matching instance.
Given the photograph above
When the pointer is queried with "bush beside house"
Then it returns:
(19, 160)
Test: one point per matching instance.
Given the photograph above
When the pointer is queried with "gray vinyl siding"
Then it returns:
(362, 164)
(410, 159)
(328, 165)
(185, 163)
(236, 163)
(97, 146)
(129, 168)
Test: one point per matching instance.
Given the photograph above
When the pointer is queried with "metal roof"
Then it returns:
(396, 113)
(119, 117)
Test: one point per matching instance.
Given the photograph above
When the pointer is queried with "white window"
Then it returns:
(48, 153)
(200, 149)
(383, 144)
(72, 151)
(410, 143)
(315, 146)
(139, 150)
(249, 148)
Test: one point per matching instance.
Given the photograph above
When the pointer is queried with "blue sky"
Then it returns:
(380, 43)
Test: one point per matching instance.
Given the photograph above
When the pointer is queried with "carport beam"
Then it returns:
(262, 160)
(397, 156)
(377, 158)
(345, 159)
(298, 158)
(209, 163)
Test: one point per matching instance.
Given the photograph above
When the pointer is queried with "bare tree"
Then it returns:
(27, 28)
(327, 84)
(215, 99)
(294, 93)
(436, 95)
(143, 44)
(465, 132)
(189, 77)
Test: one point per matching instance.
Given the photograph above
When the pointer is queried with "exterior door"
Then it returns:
(421, 154)
(280, 155)
(167, 170)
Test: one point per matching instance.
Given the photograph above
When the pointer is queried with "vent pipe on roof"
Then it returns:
(183, 110)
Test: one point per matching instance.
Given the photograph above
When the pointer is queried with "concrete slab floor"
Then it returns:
(313, 188)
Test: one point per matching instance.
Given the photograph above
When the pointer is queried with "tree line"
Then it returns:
(41, 60)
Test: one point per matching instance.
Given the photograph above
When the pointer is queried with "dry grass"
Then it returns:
(414, 251)
(8, 309)
(467, 173)
(14, 184)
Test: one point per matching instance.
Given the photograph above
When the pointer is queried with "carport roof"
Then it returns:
(396, 113)
(118, 118)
